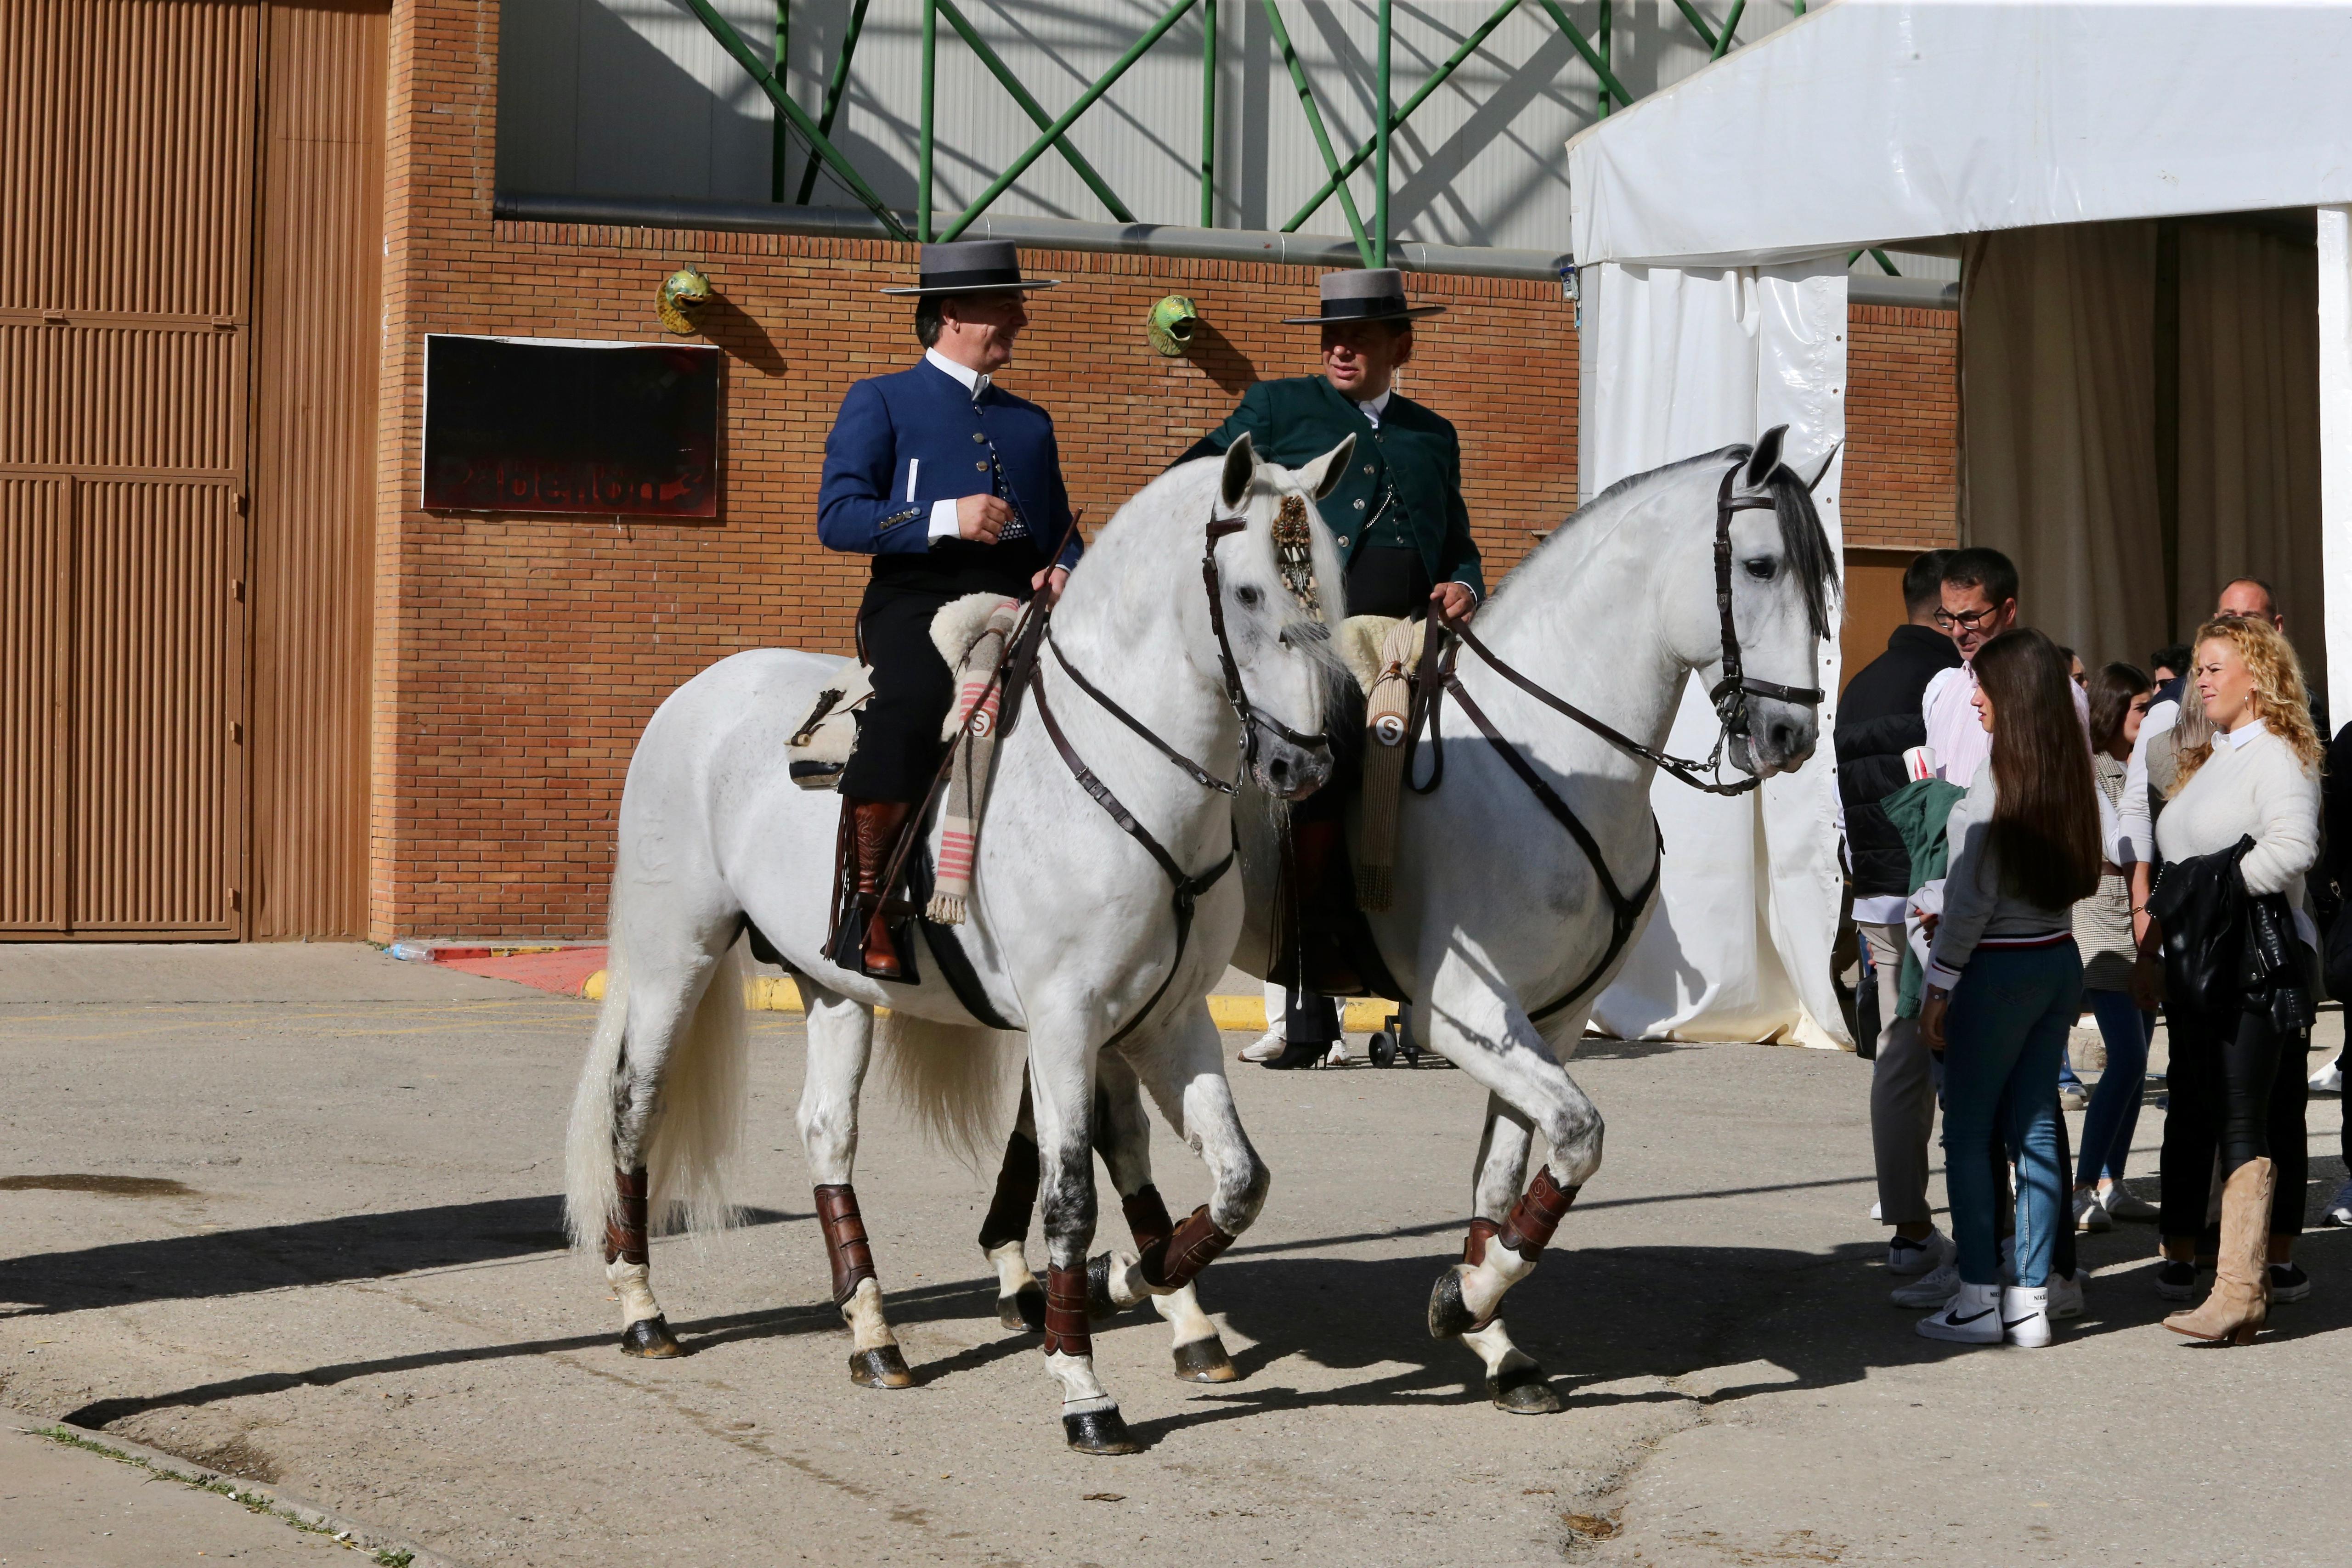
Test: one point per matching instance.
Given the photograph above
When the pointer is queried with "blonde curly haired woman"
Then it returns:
(2236, 1078)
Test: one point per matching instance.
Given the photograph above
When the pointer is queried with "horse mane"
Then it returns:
(1803, 541)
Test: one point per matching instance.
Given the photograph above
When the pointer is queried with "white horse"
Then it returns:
(1508, 916)
(1197, 613)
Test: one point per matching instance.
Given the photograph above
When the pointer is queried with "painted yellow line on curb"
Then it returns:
(777, 994)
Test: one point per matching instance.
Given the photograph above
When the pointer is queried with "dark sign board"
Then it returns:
(526, 424)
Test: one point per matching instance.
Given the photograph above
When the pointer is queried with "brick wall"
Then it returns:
(1901, 487)
(518, 657)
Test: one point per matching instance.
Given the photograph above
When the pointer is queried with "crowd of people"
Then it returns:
(2029, 839)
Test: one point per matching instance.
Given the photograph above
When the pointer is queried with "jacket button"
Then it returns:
(1343, 541)
(981, 466)
(1360, 506)
(1367, 467)
(976, 435)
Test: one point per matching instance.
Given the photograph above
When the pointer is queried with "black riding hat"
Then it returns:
(1373, 294)
(972, 266)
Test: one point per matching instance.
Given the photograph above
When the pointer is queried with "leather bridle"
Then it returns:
(1187, 888)
(1729, 696)
(1253, 721)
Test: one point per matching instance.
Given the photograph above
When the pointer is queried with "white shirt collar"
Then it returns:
(974, 382)
(2244, 733)
(1371, 407)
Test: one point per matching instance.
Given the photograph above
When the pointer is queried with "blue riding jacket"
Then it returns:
(903, 441)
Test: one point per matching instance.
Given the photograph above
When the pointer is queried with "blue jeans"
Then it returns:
(2005, 1034)
(2108, 1125)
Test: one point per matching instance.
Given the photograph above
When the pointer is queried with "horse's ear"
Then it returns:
(1767, 457)
(1241, 467)
(1323, 476)
(1814, 484)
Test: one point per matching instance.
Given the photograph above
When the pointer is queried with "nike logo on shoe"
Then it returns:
(1957, 1321)
(2012, 1323)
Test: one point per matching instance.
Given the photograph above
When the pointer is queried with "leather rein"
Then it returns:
(1187, 888)
(1729, 695)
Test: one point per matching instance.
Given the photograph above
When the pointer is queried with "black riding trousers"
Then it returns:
(2236, 1085)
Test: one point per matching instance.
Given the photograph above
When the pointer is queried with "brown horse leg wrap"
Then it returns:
(845, 1240)
(1147, 1217)
(1474, 1245)
(1065, 1312)
(1016, 1195)
(1536, 1216)
(1179, 1260)
(625, 1238)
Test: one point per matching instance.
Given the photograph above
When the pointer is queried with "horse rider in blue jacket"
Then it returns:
(1403, 533)
(954, 486)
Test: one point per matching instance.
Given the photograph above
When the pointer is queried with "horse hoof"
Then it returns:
(882, 1368)
(1023, 1309)
(1205, 1361)
(650, 1338)
(1101, 1308)
(1448, 1317)
(1523, 1391)
(1099, 1432)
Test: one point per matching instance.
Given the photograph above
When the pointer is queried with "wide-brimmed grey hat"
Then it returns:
(972, 266)
(1372, 293)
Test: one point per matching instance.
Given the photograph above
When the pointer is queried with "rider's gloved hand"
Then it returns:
(983, 518)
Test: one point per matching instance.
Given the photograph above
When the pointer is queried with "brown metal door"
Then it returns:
(313, 522)
(126, 214)
(36, 585)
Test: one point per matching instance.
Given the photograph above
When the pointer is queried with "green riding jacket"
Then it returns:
(1919, 810)
(1411, 465)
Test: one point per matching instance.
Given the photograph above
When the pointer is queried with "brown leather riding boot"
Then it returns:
(2241, 1297)
(875, 825)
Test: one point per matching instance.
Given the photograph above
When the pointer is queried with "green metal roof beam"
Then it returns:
(1436, 79)
(1698, 24)
(1730, 27)
(1032, 109)
(732, 42)
(1052, 134)
(1600, 67)
(833, 90)
(1322, 137)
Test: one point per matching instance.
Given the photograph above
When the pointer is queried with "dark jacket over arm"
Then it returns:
(1878, 720)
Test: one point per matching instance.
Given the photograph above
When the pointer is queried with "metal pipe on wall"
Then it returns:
(1037, 234)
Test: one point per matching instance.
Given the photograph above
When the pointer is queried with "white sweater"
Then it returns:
(2253, 783)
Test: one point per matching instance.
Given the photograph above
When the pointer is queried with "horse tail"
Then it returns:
(704, 1084)
(956, 1079)
(592, 1191)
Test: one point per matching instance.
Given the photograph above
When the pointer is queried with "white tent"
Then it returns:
(1711, 225)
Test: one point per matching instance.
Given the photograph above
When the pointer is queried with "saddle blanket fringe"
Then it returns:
(972, 731)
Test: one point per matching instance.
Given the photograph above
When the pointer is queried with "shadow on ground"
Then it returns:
(1595, 1319)
(272, 1257)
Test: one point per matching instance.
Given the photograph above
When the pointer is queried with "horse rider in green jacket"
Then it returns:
(1399, 520)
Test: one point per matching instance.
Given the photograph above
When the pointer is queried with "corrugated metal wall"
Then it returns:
(314, 466)
(635, 97)
(130, 170)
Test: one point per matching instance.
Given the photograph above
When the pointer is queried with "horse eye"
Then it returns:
(1248, 594)
(1761, 568)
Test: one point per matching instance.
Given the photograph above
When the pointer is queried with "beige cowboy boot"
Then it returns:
(2240, 1295)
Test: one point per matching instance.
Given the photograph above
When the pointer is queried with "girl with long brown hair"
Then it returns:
(2005, 981)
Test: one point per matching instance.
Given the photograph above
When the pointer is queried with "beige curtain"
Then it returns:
(2249, 424)
(2058, 437)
